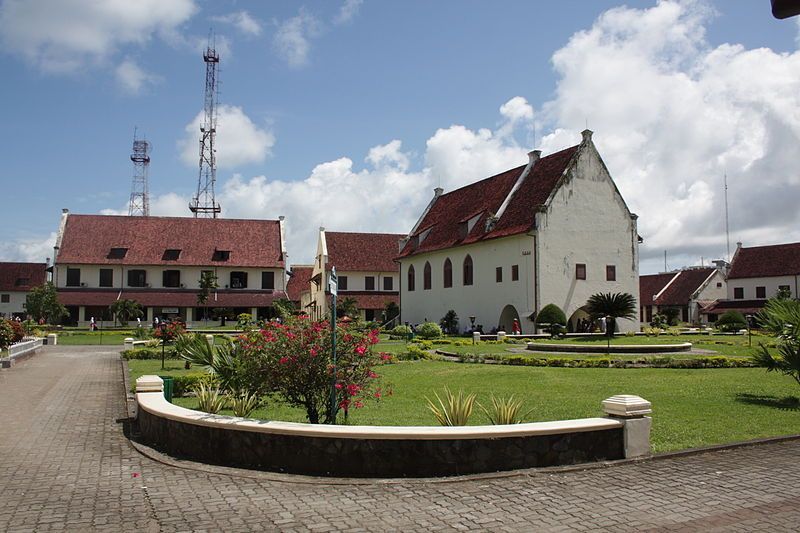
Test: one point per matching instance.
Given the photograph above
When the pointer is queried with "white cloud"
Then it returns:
(348, 11)
(673, 115)
(243, 21)
(293, 38)
(239, 140)
(66, 35)
(34, 249)
(132, 79)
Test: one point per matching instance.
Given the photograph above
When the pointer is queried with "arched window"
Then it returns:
(411, 278)
(468, 270)
(426, 277)
(448, 273)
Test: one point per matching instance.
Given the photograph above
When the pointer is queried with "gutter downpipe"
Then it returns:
(536, 276)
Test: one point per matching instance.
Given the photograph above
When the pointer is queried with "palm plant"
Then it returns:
(124, 310)
(781, 318)
(611, 306)
(455, 410)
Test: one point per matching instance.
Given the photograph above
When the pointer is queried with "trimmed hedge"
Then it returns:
(150, 353)
(604, 362)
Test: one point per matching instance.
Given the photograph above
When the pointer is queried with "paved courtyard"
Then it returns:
(65, 464)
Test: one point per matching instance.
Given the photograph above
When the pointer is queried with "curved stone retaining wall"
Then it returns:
(615, 348)
(377, 451)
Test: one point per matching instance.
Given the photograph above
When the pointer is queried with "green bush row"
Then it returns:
(149, 353)
(656, 362)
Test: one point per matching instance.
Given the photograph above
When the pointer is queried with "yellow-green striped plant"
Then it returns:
(243, 403)
(455, 410)
(209, 399)
(504, 410)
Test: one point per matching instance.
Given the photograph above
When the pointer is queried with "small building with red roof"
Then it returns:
(365, 268)
(687, 291)
(298, 288)
(16, 282)
(159, 261)
(758, 273)
(554, 230)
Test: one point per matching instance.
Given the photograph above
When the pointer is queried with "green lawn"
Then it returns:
(93, 338)
(691, 407)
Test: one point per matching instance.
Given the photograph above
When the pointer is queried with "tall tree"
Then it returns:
(611, 306)
(42, 302)
(208, 282)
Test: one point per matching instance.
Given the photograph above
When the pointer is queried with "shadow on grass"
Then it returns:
(787, 403)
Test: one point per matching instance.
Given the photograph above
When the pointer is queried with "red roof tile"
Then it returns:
(766, 261)
(651, 285)
(21, 276)
(371, 300)
(449, 213)
(161, 298)
(680, 291)
(88, 239)
(746, 307)
(364, 252)
(299, 282)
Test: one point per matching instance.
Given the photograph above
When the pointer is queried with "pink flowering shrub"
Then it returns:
(295, 361)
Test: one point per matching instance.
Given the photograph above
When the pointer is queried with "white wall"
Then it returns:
(486, 298)
(771, 283)
(190, 276)
(587, 222)
(16, 303)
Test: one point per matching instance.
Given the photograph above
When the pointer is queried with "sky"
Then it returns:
(347, 114)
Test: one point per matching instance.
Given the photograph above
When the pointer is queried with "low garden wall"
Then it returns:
(21, 350)
(389, 451)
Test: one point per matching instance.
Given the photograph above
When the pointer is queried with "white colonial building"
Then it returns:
(688, 291)
(16, 282)
(159, 261)
(365, 268)
(555, 230)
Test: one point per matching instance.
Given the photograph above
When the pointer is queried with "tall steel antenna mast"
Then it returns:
(140, 196)
(205, 204)
(727, 227)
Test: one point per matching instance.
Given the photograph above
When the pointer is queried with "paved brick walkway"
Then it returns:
(65, 464)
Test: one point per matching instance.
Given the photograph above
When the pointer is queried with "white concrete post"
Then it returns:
(52, 339)
(631, 411)
(128, 342)
(210, 339)
(476, 336)
(149, 384)
(501, 336)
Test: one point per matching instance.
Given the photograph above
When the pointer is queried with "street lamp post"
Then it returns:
(749, 336)
(472, 327)
(163, 327)
(333, 284)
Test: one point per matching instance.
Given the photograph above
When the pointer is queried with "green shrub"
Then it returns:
(244, 403)
(429, 330)
(402, 332)
(731, 321)
(6, 334)
(552, 319)
(183, 384)
(209, 398)
(149, 353)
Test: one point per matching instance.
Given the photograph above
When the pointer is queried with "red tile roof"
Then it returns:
(651, 285)
(450, 212)
(160, 298)
(21, 276)
(686, 283)
(88, 239)
(746, 307)
(766, 261)
(364, 252)
(299, 282)
(371, 300)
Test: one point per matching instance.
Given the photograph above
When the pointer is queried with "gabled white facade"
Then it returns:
(585, 221)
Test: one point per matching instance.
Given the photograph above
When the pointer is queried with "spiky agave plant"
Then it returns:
(455, 410)
(243, 403)
(209, 398)
(504, 410)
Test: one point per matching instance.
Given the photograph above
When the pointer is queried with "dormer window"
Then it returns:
(422, 236)
(117, 253)
(472, 221)
(22, 281)
(171, 255)
(221, 255)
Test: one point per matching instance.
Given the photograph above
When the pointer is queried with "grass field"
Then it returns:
(92, 338)
(690, 407)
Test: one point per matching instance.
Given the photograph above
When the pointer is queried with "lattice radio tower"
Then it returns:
(205, 203)
(140, 196)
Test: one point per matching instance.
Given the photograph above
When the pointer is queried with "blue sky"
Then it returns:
(347, 114)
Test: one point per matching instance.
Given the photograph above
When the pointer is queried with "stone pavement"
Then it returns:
(65, 464)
